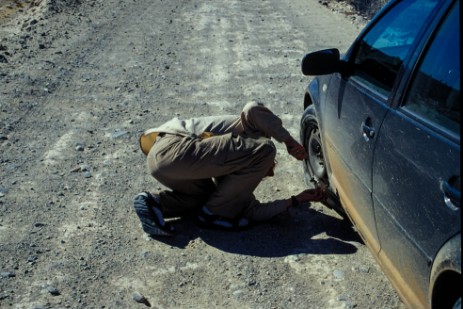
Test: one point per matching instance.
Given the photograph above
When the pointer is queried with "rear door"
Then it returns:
(416, 169)
(357, 104)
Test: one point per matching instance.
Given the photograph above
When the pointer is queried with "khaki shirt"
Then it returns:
(255, 122)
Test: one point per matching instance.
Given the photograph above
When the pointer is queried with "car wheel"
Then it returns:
(316, 161)
(316, 174)
(314, 165)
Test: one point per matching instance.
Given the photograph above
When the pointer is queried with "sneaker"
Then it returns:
(149, 212)
(207, 219)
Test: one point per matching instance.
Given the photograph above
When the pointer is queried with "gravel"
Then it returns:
(81, 79)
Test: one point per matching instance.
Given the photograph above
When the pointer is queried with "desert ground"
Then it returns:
(80, 81)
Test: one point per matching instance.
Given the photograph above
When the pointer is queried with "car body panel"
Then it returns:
(424, 221)
(396, 173)
(348, 108)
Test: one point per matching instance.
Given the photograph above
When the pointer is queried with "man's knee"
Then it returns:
(267, 151)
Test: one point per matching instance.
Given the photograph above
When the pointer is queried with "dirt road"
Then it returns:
(78, 85)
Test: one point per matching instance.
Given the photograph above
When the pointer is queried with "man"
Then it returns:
(212, 166)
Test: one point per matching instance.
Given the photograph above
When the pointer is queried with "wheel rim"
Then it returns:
(315, 154)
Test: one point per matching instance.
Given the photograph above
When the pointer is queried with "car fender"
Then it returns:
(448, 260)
(312, 95)
(311, 104)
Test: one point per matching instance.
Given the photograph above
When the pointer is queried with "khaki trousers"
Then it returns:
(220, 172)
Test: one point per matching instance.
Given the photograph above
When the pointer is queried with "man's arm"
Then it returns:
(260, 212)
(257, 117)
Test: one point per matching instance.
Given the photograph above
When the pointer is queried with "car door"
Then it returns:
(358, 102)
(416, 169)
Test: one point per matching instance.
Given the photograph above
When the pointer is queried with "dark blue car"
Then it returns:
(381, 125)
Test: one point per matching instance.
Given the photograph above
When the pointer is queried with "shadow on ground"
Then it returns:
(301, 231)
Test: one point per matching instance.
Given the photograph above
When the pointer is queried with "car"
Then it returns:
(381, 126)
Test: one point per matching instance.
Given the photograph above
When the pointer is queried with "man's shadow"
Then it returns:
(303, 230)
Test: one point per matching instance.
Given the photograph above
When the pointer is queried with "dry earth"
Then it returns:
(81, 79)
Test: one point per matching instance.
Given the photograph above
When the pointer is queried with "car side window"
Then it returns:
(383, 49)
(434, 93)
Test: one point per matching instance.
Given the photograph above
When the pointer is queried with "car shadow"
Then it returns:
(299, 231)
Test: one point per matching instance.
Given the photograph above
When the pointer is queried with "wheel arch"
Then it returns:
(311, 94)
(446, 280)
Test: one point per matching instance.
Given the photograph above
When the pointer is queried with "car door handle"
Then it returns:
(451, 195)
(368, 131)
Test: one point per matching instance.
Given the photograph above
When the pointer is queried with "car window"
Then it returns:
(435, 89)
(383, 49)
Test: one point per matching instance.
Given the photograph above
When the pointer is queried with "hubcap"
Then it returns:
(315, 153)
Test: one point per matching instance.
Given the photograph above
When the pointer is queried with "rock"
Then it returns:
(139, 298)
(343, 297)
(339, 274)
(7, 274)
(3, 59)
(53, 291)
(364, 269)
(118, 134)
(238, 293)
(32, 259)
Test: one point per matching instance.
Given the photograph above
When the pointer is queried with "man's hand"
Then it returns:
(311, 195)
(295, 149)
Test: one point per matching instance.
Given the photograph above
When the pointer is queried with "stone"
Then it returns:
(139, 298)
(7, 274)
(53, 291)
(339, 274)
(118, 134)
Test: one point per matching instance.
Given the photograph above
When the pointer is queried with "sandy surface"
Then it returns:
(79, 82)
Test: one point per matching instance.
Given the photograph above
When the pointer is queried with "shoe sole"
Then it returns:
(148, 216)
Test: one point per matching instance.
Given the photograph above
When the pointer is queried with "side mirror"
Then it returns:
(322, 62)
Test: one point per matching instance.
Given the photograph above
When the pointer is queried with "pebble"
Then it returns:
(292, 258)
(238, 293)
(84, 167)
(343, 297)
(361, 269)
(53, 291)
(339, 274)
(32, 259)
(365, 269)
(139, 298)
(118, 134)
(7, 274)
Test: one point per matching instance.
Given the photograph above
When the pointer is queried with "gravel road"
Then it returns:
(80, 80)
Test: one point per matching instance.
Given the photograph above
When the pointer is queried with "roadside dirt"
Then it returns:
(80, 80)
